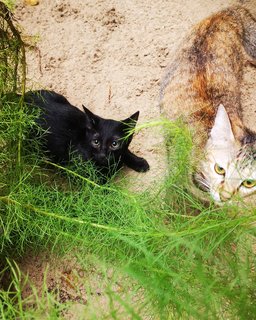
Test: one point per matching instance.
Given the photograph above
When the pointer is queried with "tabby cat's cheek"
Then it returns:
(245, 192)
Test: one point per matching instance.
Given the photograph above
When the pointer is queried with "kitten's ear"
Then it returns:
(128, 125)
(132, 120)
(222, 131)
(91, 118)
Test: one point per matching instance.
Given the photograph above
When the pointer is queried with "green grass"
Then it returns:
(191, 261)
(175, 257)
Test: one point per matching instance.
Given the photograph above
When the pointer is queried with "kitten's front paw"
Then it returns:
(141, 165)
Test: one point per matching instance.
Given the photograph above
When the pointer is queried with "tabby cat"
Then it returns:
(203, 85)
(68, 131)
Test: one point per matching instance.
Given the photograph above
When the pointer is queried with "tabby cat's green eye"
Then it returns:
(249, 183)
(218, 169)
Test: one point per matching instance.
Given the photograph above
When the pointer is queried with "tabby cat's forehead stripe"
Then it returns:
(246, 155)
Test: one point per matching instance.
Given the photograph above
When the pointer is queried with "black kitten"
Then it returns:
(69, 131)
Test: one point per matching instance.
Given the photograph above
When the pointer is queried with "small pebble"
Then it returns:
(32, 2)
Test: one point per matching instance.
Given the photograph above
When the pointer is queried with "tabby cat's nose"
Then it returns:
(226, 195)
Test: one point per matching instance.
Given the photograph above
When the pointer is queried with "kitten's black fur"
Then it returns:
(69, 131)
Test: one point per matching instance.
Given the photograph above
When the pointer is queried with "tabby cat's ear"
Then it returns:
(221, 132)
(91, 118)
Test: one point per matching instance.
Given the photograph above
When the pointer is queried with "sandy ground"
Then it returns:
(111, 56)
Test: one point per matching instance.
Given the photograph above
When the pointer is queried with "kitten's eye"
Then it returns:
(249, 183)
(218, 169)
(95, 143)
(115, 144)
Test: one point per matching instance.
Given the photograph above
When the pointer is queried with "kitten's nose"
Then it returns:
(101, 156)
(101, 159)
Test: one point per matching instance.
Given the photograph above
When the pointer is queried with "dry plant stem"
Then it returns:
(6, 15)
(19, 51)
